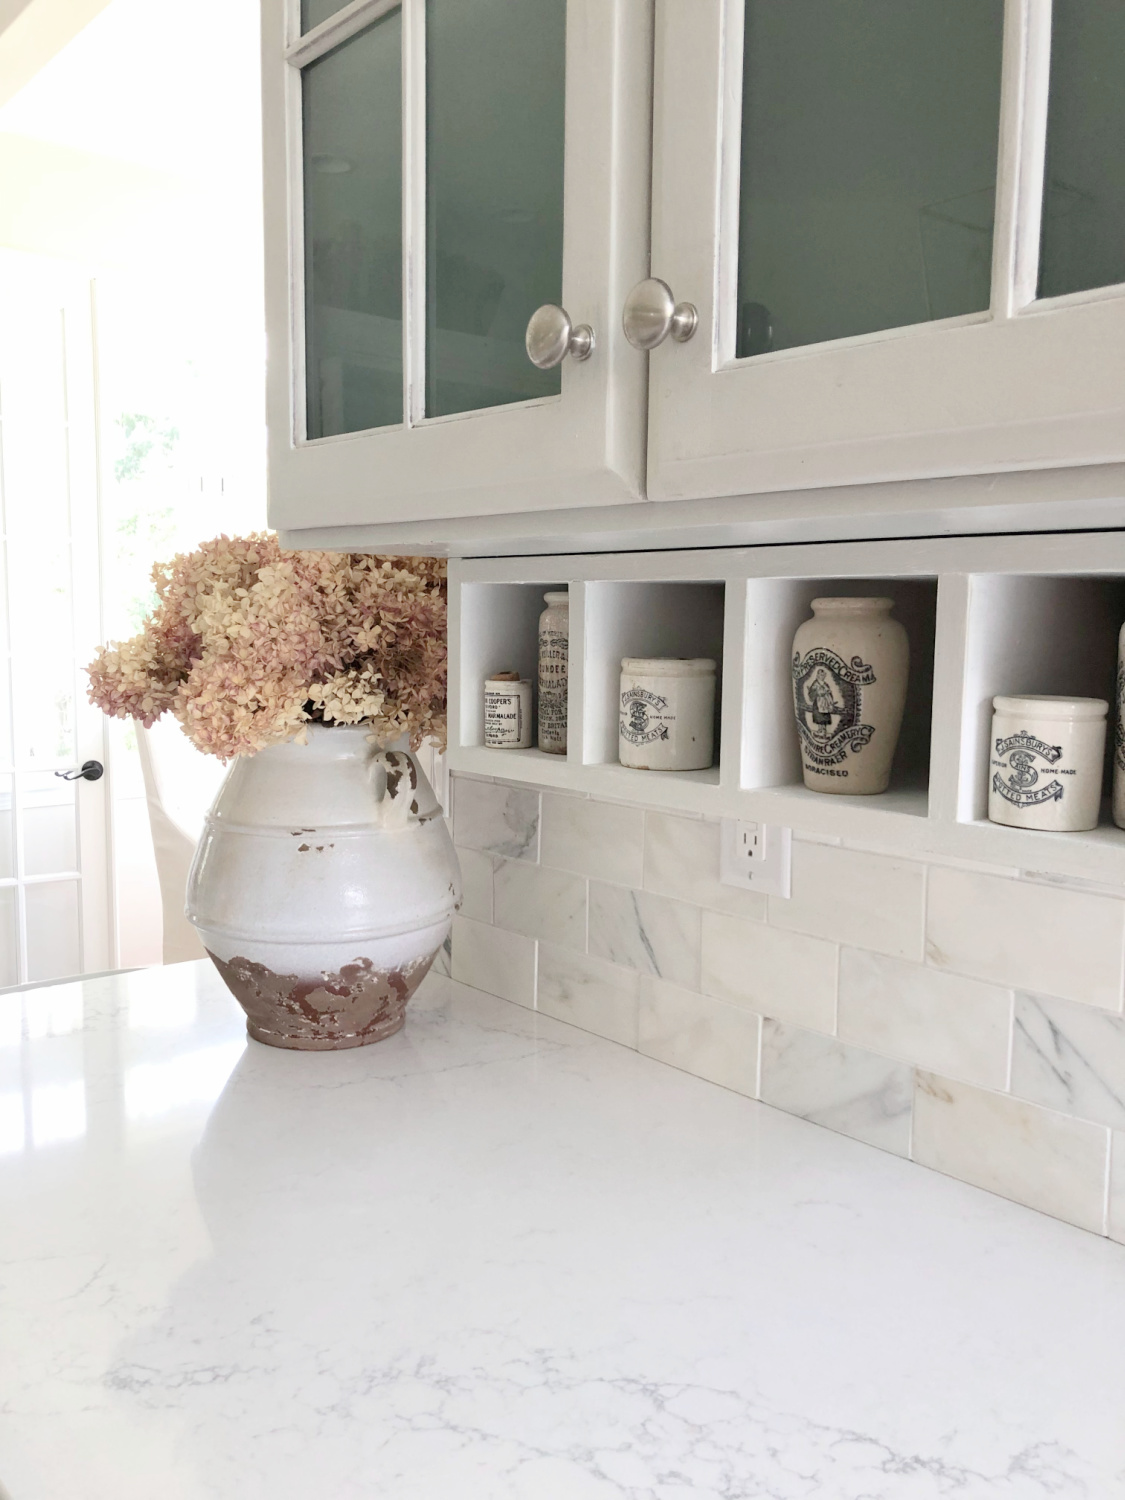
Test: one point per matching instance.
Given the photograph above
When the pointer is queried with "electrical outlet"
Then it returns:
(756, 856)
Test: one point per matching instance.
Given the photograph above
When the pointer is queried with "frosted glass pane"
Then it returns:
(9, 953)
(7, 830)
(352, 103)
(1083, 242)
(50, 831)
(496, 76)
(52, 930)
(869, 147)
(315, 11)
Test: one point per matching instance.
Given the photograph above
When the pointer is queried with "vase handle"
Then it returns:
(397, 796)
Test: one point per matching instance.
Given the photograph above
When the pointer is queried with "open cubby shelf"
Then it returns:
(985, 615)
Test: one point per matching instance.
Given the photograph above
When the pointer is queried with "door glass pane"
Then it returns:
(50, 825)
(869, 145)
(495, 79)
(1083, 243)
(7, 828)
(352, 103)
(9, 952)
(53, 949)
(315, 11)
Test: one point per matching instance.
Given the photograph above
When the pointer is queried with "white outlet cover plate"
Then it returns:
(756, 857)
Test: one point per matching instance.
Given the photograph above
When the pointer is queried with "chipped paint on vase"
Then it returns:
(323, 887)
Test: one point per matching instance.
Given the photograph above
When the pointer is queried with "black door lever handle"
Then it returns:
(91, 770)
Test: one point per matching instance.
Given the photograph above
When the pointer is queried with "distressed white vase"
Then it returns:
(850, 666)
(323, 888)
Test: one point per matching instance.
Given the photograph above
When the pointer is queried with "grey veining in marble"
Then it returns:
(845, 1088)
(648, 933)
(496, 1258)
(1070, 1057)
(496, 819)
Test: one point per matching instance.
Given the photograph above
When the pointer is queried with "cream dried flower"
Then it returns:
(249, 643)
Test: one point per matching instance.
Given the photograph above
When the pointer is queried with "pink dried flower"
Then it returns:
(248, 643)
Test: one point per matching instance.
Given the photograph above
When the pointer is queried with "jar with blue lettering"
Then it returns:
(1047, 762)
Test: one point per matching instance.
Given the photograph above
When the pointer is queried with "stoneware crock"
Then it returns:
(323, 887)
(850, 666)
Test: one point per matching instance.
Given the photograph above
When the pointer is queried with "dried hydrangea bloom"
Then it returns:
(248, 643)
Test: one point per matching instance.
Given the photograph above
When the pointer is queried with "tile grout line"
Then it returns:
(1106, 1205)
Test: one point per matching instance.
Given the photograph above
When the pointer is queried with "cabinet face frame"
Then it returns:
(582, 448)
(1028, 384)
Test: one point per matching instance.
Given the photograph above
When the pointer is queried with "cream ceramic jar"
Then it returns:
(1045, 763)
(554, 650)
(850, 666)
(507, 712)
(667, 713)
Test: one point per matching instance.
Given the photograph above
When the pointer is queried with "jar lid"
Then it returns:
(503, 677)
(668, 666)
(562, 596)
(852, 604)
(1047, 707)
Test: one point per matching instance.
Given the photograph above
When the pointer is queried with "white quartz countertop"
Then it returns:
(496, 1258)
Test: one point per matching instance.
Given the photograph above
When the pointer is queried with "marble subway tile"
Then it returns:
(500, 963)
(703, 1036)
(844, 1088)
(540, 903)
(1116, 1224)
(1032, 937)
(1007, 1146)
(601, 839)
(1070, 1057)
(476, 884)
(682, 860)
(943, 1022)
(443, 963)
(588, 992)
(496, 819)
(645, 932)
(862, 900)
(780, 974)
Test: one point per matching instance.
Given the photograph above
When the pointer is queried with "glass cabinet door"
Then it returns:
(890, 284)
(419, 155)
(874, 208)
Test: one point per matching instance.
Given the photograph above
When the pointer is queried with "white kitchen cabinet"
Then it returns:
(435, 170)
(889, 284)
(889, 237)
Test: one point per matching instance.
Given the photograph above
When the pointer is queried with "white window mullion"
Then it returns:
(1023, 137)
(338, 28)
(414, 249)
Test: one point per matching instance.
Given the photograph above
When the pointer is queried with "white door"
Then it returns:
(55, 912)
(435, 171)
(852, 195)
